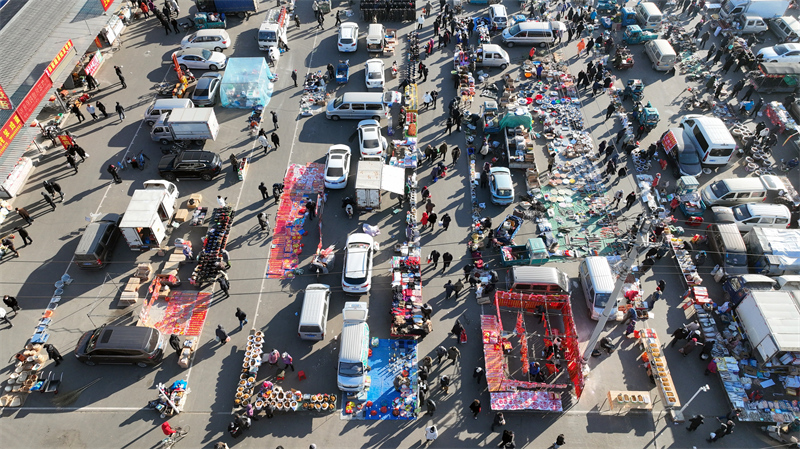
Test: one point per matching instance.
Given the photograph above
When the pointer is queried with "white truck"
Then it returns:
(192, 124)
(746, 24)
(150, 211)
(773, 252)
(272, 32)
(374, 176)
(766, 9)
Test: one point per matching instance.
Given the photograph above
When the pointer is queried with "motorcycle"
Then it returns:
(787, 434)
(789, 165)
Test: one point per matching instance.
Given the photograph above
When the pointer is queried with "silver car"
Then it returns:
(205, 91)
(200, 58)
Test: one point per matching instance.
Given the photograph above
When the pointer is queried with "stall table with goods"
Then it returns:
(209, 260)
(685, 262)
(247, 83)
(780, 117)
(629, 400)
(407, 318)
(404, 153)
(658, 367)
(24, 376)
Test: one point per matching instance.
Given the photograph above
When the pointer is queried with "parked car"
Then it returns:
(337, 167)
(348, 37)
(681, 153)
(370, 141)
(357, 272)
(200, 58)
(781, 53)
(374, 73)
(212, 39)
(501, 186)
(205, 91)
(98, 242)
(137, 345)
(190, 164)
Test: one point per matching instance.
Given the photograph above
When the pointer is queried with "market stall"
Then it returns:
(408, 320)
(658, 367)
(247, 83)
(774, 77)
(780, 118)
(209, 259)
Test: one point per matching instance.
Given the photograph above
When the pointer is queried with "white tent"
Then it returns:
(771, 321)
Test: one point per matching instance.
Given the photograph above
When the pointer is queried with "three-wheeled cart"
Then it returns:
(691, 203)
(646, 115)
(634, 89)
(390, 41)
(323, 6)
(532, 253)
(623, 58)
(504, 234)
(490, 118)
(343, 72)
(205, 20)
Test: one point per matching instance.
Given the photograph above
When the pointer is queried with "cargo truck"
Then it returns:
(149, 213)
(186, 124)
(766, 9)
(272, 32)
(241, 8)
(374, 176)
(773, 252)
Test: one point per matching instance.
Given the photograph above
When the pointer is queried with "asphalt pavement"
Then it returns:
(112, 413)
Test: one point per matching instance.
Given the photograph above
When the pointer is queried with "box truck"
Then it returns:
(150, 211)
(192, 124)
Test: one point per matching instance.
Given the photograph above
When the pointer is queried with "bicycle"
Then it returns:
(164, 88)
(169, 441)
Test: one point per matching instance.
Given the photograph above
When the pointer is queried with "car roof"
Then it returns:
(211, 32)
(360, 237)
(339, 148)
(124, 337)
(191, 51)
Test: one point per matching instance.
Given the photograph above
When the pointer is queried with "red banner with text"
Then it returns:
(28, 104)
(9, 131)
(5, 102)
(59, 57)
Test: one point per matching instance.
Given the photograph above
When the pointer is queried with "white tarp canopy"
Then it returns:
(393, 179)
(785, 244)
(770, 320)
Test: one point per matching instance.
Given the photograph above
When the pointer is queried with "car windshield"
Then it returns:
(350, 369)
(601, 299)
(93, 340)
(338, 102)
(719, 189)
(689, 157)
(736, 260)
(269, 36)
(190, 38)
(503, 192)
(370, 144)
(375, 75)
(346, 40)
(513, 30)
(741, 213)
(206, 54)
(781, 49)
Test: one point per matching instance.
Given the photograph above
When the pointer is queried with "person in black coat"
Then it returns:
(175, 342)
(54, 354)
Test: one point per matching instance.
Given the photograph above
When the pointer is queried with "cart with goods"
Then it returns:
(343, 71)
(687, 190)
(203, 20)
(504, 234)
(532, 253)
(634, 89)
(606, 7)
(623, 58)
(646, 115)
(635, 35)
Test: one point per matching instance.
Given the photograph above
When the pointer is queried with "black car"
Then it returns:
(190, 164)
(97, 244)
(138, 345)
(681, 153)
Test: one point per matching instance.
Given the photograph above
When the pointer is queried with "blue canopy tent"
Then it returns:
(247, 83)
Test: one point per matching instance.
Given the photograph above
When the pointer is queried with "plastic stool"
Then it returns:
(301, 375)
(281, 375)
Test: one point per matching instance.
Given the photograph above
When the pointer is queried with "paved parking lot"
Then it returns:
(114, 409)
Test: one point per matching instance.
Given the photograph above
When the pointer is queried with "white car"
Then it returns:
(216, 40)
(337, 167)
(781, 53)
(348, 37)
(199, 58)
(370, 141)
(357, 272)
(374, 73)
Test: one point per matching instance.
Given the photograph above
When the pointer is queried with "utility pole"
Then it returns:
(611, 305)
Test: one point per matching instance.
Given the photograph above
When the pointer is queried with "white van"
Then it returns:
(163, 106)
(539, 281)
(314, 315)
(747, 216)
(733, 191)
(532, 33)
(492, 55)
(661, 54)
(598, 284)
(786, 29)
(354, 350)
(498, 15)
(360, 106)
(649, 16)
(711, 138)
(376, 38)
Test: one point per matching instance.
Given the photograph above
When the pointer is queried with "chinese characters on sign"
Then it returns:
(5, 102)
(106, 4)
(65, 140)
(9, 130)
(59, 57)
(94, 64)
(28, 104)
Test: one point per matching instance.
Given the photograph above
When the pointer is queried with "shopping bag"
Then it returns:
(441, 224)
(227, 339)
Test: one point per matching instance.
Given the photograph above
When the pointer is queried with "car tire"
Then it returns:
(503, 66)
(150, 122)
(335, 118)
(164, 142)
(213, 68)
(509, 44)
(199, 143)
(169, 177)
(89, 363)
(542, 45)
(183, 67)
(241, 15)
(142, 365)
(218, 49)
(206, 177)
(376, 118)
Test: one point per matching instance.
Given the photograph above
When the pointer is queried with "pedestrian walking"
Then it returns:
(165, 24)
(274, 119)
(719, 90)
(311, 208)
(80, 152)
(748, 93)
(297, 21)
(264, 191)
(441, 352)
(114, 171)
(446, 221)
(695, 422)
(3, 317)
(560, 441)
(688, 347)
(475, 408)
(53, 353)
(275, 140)
(241, 316)
(431, 434)
(630, 199)
(321, 21)
(262, 220)
(455, 153)
(430, 406)
(294, 74)
(175, 343)
(224, 285)
(711, 52)
(499, 420)
(432, 220)
(77, 112)
(222, 336)
(757, 107)
(448, 125)
(610, 110)
(478, 374)
(617, 197)
(48, 187)
(102, 108)
(175, 27)
(91, 110)
(484, 179)
(434, 256)
(49, 200)
(723, 430)
(12, 303)
(222, 201)
(622, 172)
(277, 189)
(453, 353)
(447, 259)
(122, 78)
(26, 238)
(120, 110)
(704, 38)
(23, 213)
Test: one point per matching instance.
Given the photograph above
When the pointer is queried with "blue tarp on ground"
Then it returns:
(246, 83)
(390, 358)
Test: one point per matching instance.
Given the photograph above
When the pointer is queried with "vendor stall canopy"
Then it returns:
(247, 83)
(770, 321)
(519, 117)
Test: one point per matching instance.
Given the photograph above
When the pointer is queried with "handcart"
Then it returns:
(634, 89)
(504, 234)
(343, 71)
(533, 253)
(323, 259)
(390, 41)
(691, 203)
(48, 385)
(646, 115)
(623, 58)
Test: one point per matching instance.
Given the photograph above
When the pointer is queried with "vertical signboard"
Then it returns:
(5, 102)
(59, 57)
(106, 4)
